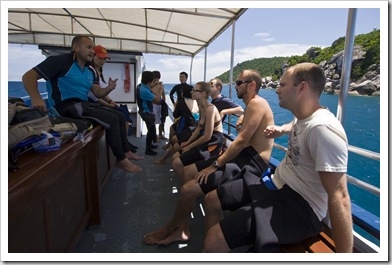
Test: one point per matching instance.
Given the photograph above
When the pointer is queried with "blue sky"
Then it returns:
(260, 32)
(267, 33)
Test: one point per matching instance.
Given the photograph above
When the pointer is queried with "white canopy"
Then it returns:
(176, 31)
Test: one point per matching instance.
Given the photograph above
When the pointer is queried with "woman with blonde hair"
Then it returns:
(207, 139)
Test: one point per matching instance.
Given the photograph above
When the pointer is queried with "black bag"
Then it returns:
(25, 123)
(25, 126)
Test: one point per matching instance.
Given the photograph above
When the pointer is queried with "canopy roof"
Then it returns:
(176, 31)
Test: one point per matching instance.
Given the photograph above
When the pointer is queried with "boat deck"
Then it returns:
(133, 204)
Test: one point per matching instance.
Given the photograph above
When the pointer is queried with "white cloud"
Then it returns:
(272, 50)
(264, 36)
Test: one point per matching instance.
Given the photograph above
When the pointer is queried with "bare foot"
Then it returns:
(156, 235)
(177, 235)
(132, 156)
(127, 165)
(159, 162)
(166, 146)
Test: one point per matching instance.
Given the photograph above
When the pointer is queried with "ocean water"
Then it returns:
(362, 125)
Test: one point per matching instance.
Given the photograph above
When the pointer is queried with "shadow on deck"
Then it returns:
(133, 204)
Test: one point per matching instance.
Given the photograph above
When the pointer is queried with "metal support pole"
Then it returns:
(190, 72)
(231, 70)
(347, 61)
(205, 64)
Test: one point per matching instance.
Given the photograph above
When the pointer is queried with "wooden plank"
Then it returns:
(321, 243)
(327, 240)
(318, 246)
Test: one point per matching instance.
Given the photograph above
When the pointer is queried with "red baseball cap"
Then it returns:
(101, 52)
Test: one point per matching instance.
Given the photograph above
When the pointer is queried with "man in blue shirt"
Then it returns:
(225, 105)
(145, 97)
(71, 77)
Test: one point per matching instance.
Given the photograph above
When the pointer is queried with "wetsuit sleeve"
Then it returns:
(174, 89)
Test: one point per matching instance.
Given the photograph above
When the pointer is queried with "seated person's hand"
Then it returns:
(39, 104)
(273, 131)
(202, 176)
(238, 125)
(112, 83)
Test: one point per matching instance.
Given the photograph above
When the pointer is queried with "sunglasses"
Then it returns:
(240, 82)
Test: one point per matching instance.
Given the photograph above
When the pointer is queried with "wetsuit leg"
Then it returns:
(116, 131)
(149, 119)
(123, 132)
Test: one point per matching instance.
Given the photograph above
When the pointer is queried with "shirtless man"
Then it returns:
(249, 143)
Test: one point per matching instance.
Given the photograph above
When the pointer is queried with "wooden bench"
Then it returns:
(55, 195)
(321, 243)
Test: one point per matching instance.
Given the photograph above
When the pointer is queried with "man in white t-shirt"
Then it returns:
(289, 206)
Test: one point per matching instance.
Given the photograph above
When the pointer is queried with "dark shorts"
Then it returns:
(262, 217)
(230, 170)
(184, 135)
(207, 150)
(202, 164)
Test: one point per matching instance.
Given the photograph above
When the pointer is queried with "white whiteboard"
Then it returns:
(117, 70)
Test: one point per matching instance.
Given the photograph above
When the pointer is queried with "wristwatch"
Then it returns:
(215, 164)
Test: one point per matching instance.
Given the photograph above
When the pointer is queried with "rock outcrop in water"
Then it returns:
(368, 85)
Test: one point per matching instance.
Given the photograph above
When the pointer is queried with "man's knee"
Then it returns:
(191, 190)
(212, 201)
(189, 172)
(177, 163)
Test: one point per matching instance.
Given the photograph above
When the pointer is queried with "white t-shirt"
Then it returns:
(102, 84)
(317, 143)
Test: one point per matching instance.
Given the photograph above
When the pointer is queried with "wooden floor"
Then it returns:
(133, 204)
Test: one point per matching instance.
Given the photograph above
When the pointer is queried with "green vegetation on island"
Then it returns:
(369, 43)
